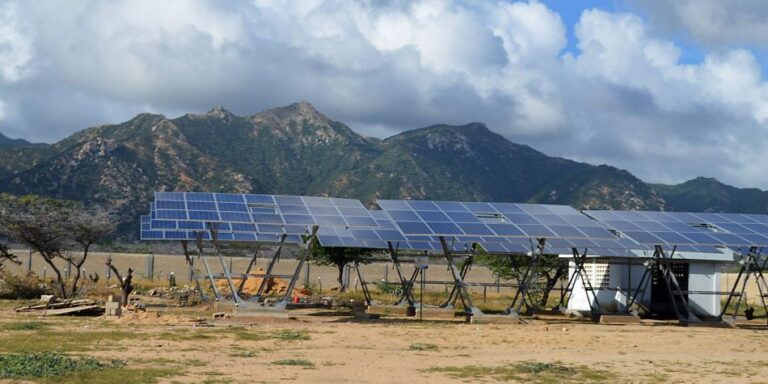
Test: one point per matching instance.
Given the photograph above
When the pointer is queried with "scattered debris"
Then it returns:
(221, 315)
(112, 306)
(52, 306)
(182, 295)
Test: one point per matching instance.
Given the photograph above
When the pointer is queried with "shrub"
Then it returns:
(47, 364)
(23, 326)
(14, 287)
(388, 288)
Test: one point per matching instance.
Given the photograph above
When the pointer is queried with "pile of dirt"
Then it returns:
(275, 286)
(150, 318)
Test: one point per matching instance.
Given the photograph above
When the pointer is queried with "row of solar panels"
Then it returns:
(415, 224)
(503, 237)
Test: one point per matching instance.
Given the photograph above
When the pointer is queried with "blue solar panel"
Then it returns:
(262, 209)
(417, 224)
(190, 225)
(502, 219)
(413, 227)
(687, 228)
(433, 216)
(505, 230)
(190, 230)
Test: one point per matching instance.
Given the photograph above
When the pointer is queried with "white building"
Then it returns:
(613, 278)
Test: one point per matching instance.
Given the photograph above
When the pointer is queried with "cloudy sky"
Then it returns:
(667, 89)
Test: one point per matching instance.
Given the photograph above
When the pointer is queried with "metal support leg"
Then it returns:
(363, 284)
(201, 255)
(407, 292)
(642, 287)
(458, 281)
(566, 292)
(523, 287)
(268, 273)
(580, 273)
(742, 271)
(248, 271)
(751, 267)
(412, 281)
(454, 295)
(192, 271)
(224, 268)
(762, 285)
(683, 312)
(299, 266)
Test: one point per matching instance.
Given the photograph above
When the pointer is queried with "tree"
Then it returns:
(54, 228)
(513, 267)
(85, 228)
(6, 255)
(126, 284)
(340, 257)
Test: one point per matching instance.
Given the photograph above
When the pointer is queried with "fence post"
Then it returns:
(151, 267)
(29, 262)
(345, 277)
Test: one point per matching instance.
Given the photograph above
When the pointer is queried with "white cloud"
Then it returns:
(622, 98)
(715, 22)
(671, 120)
(15, 50)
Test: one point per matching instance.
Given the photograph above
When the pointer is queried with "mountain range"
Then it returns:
(297, 150)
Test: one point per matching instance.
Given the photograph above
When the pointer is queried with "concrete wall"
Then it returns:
(318, 275)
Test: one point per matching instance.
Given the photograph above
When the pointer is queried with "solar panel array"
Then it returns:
(388, 232)
(687, 229)
(417, 225)
(452, 218)
(151, 230)
(274, 210)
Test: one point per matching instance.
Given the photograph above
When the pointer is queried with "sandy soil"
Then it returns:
(343, 349)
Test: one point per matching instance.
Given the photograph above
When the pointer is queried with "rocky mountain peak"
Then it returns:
(98, 147)
(301, 112)
(220, 112)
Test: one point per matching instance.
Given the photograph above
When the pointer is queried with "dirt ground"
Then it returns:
(330, 347)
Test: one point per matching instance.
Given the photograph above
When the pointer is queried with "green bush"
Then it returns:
(48, 364)
(289, 334)
(388, 288)
(23, 326)
(14, 287)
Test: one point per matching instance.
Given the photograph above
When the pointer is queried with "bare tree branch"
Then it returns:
(6, 255)
(51, 228)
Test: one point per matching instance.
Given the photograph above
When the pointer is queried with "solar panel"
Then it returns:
(452, 218)
(687, 228)
(262, 209)
(167, 230)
